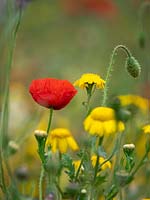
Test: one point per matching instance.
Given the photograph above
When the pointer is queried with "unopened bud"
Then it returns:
(22, 3)
(133, 67)
(123, 115)
(128, 148)
(13, 147)
(40, 135)
(50, 196)
(83, 191)
(22, 173)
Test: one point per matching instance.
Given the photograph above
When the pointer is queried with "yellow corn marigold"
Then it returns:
(146, 129)
(60, 139)
(89, 79)
(101, 121)
(101, 160)
(139, 102)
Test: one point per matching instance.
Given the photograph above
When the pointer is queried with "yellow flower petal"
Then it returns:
(72, 143)
(62, 145)
(88, 79)
(60, 139)
(101, 121)
(146, 129)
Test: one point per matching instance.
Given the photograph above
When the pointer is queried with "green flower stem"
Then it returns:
(2, 181)
(97, 159)
(50, 120)
(78, 171)
(140, 164)
(41, 152)
(90, 89)
(110, 69)
(40, 183)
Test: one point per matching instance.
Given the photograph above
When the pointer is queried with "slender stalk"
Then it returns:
(110, 69)
(50, 120)
(78, 171)
(42, 156)
(140, 164)
(97, 159)
(41, 183)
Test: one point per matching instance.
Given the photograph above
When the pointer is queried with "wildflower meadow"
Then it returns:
(74, 100)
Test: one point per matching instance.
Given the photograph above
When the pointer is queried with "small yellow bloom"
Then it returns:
(60, 139)
(135, 100)
(101, 121)
(146, 129)
(89, 79)
(101, 160)
(76, 164)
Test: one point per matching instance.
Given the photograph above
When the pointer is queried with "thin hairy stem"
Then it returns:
(110, 69)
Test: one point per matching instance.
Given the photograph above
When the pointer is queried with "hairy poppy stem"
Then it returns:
(110, 69)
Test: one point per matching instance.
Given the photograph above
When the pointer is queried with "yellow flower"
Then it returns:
(101, 121)
(135, 100)
(101, 160)
(60, 139)
(90, 79)
(76, 164)
(146, 129)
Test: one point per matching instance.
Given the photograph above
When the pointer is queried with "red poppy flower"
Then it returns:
(52, 93)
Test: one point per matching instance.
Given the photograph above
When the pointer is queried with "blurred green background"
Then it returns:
(64, 40)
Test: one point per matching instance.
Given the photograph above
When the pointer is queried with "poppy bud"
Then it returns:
(133, 67)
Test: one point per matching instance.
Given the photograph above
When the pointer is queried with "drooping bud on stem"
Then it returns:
(133, 67)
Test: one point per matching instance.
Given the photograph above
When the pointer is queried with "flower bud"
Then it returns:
(133, 67)
(22, 173)
(22, 3)
(128, 149)
(123, 115)
(40, 135)
(13, 147)
(83, 191)
(50, 196)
